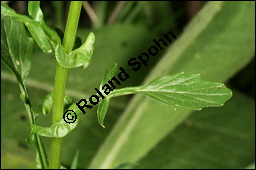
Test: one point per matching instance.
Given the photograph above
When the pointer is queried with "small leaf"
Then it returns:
(102, 110)
(78, 57)
(48, 102)
(109, 74)
(75, 161)
(60, 128)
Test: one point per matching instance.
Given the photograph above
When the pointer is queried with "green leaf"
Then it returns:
(126, 166)
(60, 128)
(16, 48)
(205, 47)
(75, 161)
(34, 11)
(252, 166)
(39, 36)
(48, 102)
(102, 110)
(78, 57)
(186, 90)
(34, 27)
(104, 104)
(109, 74)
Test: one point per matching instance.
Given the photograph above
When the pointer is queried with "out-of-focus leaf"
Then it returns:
(78, 57)
(75, 161)
(216, 138)
(205, 47)
(252, 166)
(126, 166)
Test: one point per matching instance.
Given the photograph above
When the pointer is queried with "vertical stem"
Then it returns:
(60, 81)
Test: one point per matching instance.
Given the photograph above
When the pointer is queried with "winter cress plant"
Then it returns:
(180, 89)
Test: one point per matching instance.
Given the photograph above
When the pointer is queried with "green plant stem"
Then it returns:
(60, 81)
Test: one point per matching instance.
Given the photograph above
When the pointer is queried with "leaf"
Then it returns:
(216, 138)
(34, 11)
(78, 57)
(104, 103)
(186, 90)
(205, 47)
(252, 166)
(16, 54)
(48, 102)
(39, 36)
(109, 74)
(60, 128)
(126, 166)
(75, 161)
(102, 110)
(34, 28)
